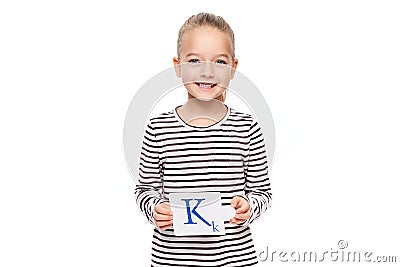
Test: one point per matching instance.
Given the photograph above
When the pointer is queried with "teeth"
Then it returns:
(206, 85)
(202, 85)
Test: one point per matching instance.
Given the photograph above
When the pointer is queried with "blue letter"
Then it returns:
(189, 212)
(214, 227)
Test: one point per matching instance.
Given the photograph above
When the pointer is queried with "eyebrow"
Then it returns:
(217, 55)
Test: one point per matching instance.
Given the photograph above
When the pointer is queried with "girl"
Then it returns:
(204, 146)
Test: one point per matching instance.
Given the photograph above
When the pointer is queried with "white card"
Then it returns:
(199, 213)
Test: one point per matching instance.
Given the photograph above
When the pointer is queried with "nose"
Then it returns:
(207, 70)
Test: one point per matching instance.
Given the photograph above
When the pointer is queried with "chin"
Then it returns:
(205, 98)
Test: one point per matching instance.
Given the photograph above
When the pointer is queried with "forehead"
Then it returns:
(207, 41)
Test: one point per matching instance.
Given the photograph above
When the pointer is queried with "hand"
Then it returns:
(163, 215)
(242, 208)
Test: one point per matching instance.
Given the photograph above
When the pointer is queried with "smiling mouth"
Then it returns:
(205, 86)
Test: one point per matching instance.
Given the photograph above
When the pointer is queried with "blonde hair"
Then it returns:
(206, 19)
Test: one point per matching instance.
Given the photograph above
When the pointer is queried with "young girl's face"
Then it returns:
(205, 63)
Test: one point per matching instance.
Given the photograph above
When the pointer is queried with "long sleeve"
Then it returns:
(147, 191)
(257, 188)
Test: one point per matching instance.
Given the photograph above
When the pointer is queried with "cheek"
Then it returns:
(223, 74)
(190, 73)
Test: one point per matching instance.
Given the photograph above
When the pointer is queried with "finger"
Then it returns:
(235, 201)
(163, 223)
(240, 221)
(236, 221)
(165, 205)
(163, 208)
(245, 206)
(243, 216)
(165, 227)
(162, 217)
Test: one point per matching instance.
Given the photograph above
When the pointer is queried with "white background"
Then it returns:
(329, 71)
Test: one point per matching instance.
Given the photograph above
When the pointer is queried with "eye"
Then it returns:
(194, 60)
(220, 61)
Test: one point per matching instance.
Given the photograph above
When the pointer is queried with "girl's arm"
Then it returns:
(147, 191)
(257, 188)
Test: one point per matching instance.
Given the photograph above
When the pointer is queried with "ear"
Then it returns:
(234, 66)
(177, 67)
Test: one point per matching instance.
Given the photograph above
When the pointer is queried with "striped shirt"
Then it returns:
(227, 157)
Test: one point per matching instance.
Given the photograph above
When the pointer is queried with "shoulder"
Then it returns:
(242, 117)
(161, 122)
(248, 121)
(162, 117)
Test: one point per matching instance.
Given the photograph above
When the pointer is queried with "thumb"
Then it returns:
(235, 201)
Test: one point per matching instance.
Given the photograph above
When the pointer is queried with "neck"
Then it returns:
(203, 107)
